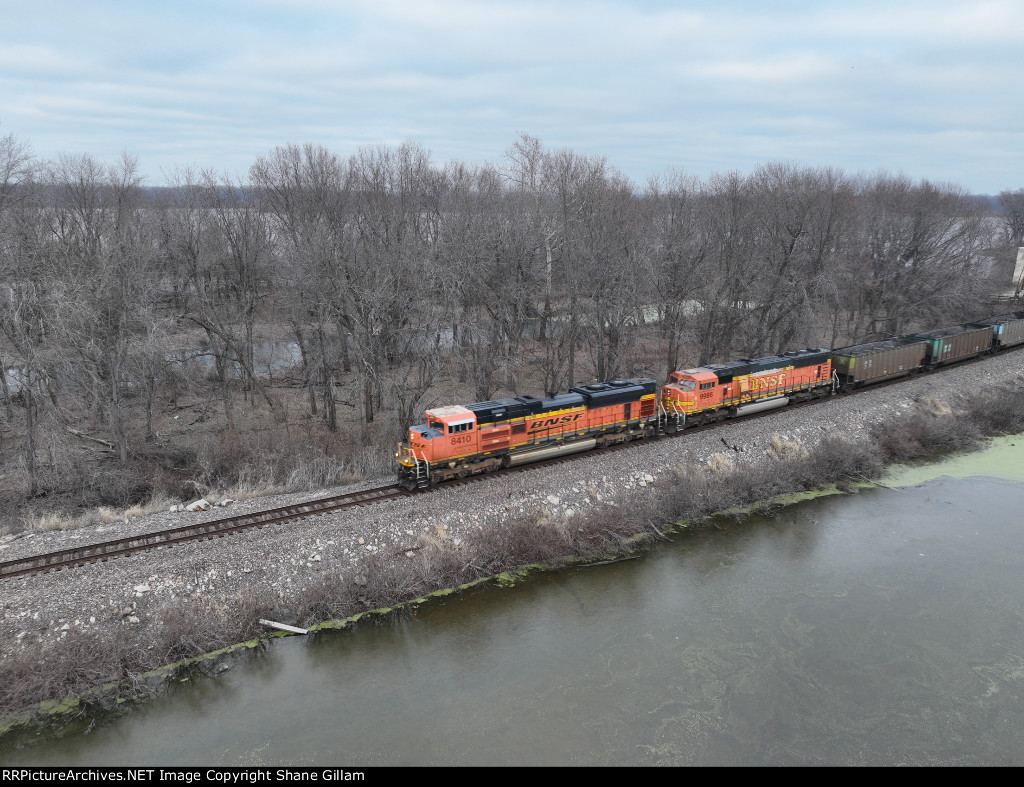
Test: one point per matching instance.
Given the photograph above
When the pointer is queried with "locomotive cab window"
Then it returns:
(706, 386)
(463, 427)
(687, 385)
(436, 425)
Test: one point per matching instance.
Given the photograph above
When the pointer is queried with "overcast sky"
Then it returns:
(933, 89)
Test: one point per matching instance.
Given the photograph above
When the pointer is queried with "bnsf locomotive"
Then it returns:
(461, 440)
(726, 390)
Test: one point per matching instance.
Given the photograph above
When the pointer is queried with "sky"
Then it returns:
(929, 89)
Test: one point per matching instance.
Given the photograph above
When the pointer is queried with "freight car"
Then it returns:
(1007, 329)
(873, 362)
(955, 343)
(461, 440)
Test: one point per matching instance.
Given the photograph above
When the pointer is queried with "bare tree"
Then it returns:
(232, 276)
(799, 215)
(917, 256)
(102, 257)
(728, 295)
(679, 266)
(307, 191)
(1012, 204)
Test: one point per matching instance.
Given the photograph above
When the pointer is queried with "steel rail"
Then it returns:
(215, 528)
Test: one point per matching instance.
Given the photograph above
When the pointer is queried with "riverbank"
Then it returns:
(65, 631)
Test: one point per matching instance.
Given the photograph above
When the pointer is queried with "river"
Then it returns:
(881, 628)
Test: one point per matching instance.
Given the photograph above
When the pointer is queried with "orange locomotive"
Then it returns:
(725, 390)
(461, 440)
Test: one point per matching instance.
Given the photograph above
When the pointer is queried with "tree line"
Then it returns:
(401, 281)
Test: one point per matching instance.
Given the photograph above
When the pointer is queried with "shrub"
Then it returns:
(1000, 411)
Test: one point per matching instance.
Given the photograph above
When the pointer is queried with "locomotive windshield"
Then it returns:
(687, 385)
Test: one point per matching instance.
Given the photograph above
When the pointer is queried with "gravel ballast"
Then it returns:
(276, 561)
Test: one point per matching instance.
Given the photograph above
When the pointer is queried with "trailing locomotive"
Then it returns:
(461, 440)
(726, 390)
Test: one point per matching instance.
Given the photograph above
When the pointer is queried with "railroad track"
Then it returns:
(217, 528)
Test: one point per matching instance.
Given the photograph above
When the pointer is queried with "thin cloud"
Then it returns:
(924, 87)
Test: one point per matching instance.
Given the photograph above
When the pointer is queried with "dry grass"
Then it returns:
(934, 407)
(245, 490)
(788, 448)
(240, 466)
(702, 491)
(61, 520)
(1000, 411)
(718, 463)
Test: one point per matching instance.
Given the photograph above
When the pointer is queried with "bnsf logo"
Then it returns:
(549, 423)
(762, 383)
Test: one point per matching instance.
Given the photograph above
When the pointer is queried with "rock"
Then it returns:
(133, 619)
(201, 504)
(140, 589)
(553, 499)
(225, 502)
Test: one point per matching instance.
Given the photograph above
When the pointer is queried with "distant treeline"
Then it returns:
(397, 278)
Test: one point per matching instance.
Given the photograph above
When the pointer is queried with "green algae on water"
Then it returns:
(1002, 457)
